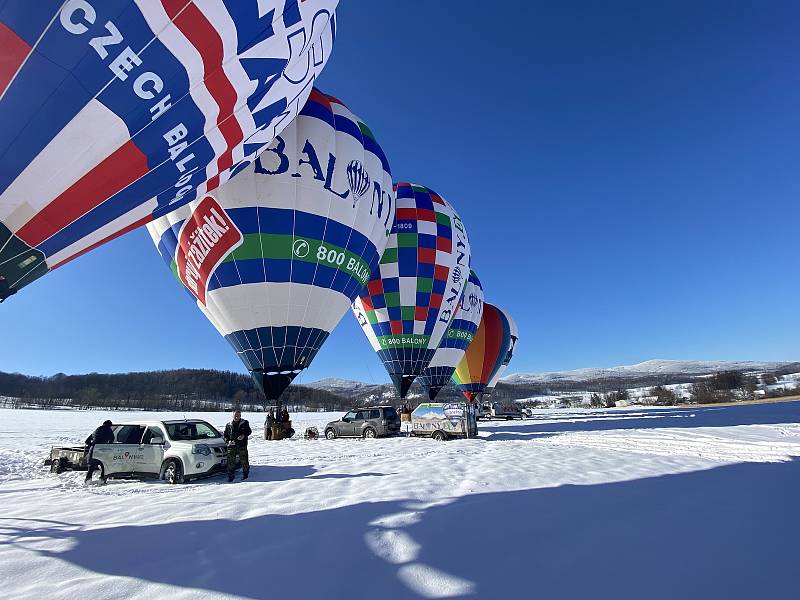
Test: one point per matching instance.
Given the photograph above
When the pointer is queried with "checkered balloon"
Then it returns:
(414, 294)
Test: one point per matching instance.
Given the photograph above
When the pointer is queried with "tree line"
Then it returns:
(178, 390)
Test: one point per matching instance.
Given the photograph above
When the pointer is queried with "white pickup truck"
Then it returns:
(175, 451)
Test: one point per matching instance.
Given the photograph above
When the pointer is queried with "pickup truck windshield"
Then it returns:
(191, 430)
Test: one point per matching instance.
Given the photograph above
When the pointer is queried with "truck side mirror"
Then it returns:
(156, 440)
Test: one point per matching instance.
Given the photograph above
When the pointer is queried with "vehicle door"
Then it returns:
(118, 458)
(392, 420)
(360, 421)
(345, 426)
(151, 451)
(374, 420)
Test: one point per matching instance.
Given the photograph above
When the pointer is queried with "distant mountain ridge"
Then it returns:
(648, 368)
(519, 385)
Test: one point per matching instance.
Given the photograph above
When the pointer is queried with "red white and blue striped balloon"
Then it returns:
(115, 112)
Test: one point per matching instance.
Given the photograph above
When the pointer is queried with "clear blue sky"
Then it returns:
(628, 172)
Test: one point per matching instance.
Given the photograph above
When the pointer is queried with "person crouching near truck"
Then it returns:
(102, 435)
(236, 434)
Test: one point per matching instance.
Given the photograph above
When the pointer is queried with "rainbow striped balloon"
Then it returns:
(486, 353)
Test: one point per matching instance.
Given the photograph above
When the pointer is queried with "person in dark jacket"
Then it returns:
(102, 435)
(236, 434)
(268, 425)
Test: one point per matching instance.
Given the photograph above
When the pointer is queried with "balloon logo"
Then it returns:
(453, 412)
(301, 248)
(358, 179)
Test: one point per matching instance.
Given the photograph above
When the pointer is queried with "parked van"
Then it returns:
(442, 421)
(489, 409)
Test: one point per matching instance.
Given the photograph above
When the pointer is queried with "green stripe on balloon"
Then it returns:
(272, 246)
(409, 340)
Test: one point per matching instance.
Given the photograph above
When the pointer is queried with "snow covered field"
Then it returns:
(622, 503)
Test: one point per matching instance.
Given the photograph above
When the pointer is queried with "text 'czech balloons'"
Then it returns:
(115, 112)
(512, 345)
(412, 297)
(275, 257)
(484, 354)
(455, 341)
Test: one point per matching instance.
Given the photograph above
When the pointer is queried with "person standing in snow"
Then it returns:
(268, 425)
(236, 434)
(102, 435)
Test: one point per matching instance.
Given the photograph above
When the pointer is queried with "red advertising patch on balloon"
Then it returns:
(205, 239)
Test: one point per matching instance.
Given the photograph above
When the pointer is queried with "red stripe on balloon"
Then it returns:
(116, 234)
(13, 54)
(120, 169)
(493, 339)
(194, 25)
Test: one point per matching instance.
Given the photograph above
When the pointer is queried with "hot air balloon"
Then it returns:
(275, 256)
(115, 112)
(455, 341)
(514, 336)
(485, 354)
(411, 299)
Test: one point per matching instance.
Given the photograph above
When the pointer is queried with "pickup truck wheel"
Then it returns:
(173, 472)
(330, 434)
(370, 433)
(438, 436)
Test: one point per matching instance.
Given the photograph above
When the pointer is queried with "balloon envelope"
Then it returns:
(456, 340)
(485, 353)
(115, 112)
(512, 346)
(275, 257)
(412, 297)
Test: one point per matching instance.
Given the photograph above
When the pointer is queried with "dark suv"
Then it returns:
(370, 422)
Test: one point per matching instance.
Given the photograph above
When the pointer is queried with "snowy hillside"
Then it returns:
(683, 370)
(651, 503)
(336, 385)
(645, 369)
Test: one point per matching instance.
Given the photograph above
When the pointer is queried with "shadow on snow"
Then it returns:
(728, 532)
(727, 416)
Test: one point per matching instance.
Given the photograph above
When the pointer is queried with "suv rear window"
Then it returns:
(390, 413)
(375, 413)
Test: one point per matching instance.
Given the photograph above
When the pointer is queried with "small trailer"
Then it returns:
(66, 458)
(441, 421)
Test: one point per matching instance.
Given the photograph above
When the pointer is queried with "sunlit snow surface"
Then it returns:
(625, 503)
